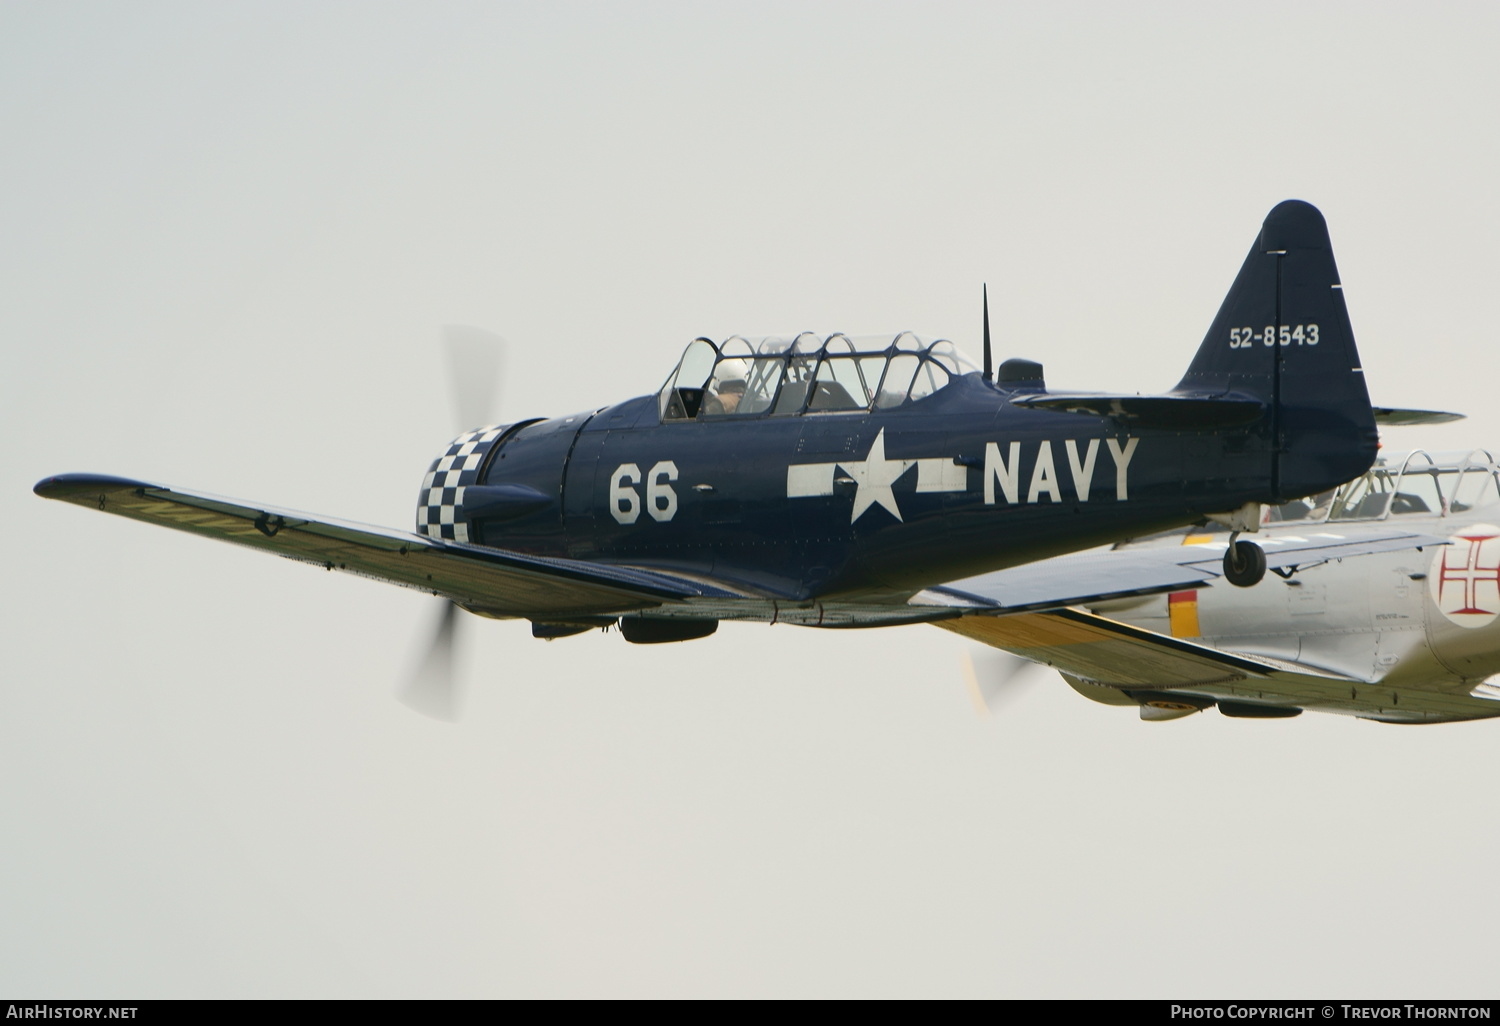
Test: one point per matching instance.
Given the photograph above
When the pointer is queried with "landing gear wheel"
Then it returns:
(1244, 564)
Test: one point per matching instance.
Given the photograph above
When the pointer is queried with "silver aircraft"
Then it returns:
(1409, 636)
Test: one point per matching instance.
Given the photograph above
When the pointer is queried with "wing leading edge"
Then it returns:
(490, 581)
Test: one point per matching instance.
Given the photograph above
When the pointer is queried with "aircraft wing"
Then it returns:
(502, 583)
(1142, 664)
(1087, 577)
(1098, 649)
(484, 580)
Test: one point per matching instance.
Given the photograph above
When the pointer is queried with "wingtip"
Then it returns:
(69, 486)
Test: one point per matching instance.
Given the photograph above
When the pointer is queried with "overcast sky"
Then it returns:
(229, 234)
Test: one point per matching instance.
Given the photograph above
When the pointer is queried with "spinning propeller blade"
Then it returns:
(475, 357)
(995, 679)
(432, 688)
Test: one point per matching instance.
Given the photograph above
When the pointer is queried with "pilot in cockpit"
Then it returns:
(726, 389)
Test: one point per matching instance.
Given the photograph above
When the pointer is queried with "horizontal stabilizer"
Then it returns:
(1390, 416)
(1169, 412)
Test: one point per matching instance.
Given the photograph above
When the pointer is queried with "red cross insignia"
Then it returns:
(1466, 577)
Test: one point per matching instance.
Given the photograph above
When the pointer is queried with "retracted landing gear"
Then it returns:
(1244, 562)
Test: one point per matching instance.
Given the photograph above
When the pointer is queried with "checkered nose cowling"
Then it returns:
(440, 504)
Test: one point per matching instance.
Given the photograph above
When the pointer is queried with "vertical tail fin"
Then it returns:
(1283, 336)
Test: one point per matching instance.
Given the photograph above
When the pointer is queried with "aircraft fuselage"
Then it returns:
(817, 504)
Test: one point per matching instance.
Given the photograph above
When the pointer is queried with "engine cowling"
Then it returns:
(445, 489)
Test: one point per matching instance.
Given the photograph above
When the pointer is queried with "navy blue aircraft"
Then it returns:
(837, 481)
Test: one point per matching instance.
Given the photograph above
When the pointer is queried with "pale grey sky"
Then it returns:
(230, 233)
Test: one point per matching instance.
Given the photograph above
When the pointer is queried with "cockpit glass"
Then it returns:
(1417, 484)
(1418, 490)
(929, 378)
(738, 347)
(1474, 489)
(897, 381)
(765, 376)
(951, 357)
(696, 364)
(807, 342)
(871, 369)
(789, 374)
(1364, 498)
(681, 394)
(795, 384)
(838, 386)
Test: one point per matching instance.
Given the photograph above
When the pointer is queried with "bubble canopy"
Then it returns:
(785, 375)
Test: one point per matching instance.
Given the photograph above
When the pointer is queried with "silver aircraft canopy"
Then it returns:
(1406, 482)
(1400, 484)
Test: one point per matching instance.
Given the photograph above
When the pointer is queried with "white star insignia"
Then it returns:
(874, 476)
